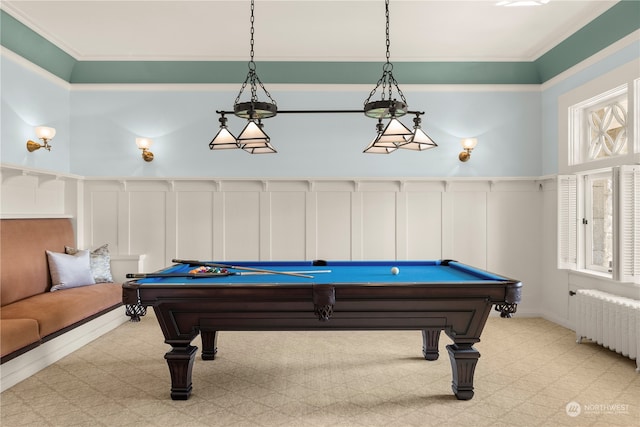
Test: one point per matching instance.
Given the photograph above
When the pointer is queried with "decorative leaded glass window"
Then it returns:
(598, 127)
(607, 129)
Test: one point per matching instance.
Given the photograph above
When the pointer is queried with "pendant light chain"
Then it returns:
(252, 76)
(252, 65)
(387, 82)
(388, 67)
(386, 15)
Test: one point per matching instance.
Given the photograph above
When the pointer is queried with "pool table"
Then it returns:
(430, 296)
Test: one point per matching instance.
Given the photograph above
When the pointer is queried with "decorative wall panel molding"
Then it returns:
(236, 219)
(490, 223)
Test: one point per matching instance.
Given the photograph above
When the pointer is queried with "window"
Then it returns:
(599, 197)
(599, 222)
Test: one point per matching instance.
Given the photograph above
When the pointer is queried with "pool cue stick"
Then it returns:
(235, 267)
(255, 273)
(190, 275)
(205, 275)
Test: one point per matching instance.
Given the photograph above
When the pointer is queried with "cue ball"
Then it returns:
(395, 270)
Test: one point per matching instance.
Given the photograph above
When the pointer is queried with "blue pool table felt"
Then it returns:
(369, 272)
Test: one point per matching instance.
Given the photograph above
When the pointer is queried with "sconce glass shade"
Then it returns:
(419, 141)
(223, 140)
(43, 132)
(469, 143)
(144, 143)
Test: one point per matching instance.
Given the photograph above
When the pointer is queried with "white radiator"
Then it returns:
(609, 320)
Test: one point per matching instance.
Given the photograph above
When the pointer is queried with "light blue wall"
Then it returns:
(516, 127)
(30, 100)
(309, 145)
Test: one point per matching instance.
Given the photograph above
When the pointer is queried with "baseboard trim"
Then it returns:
(551, 317)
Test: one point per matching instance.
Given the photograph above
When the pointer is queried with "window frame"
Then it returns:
(578, 144)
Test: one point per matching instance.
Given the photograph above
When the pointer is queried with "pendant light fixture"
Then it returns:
(395, 134)
(380, 148)
(391, 105)
(223, 139)
(419, 141)
(252, 139)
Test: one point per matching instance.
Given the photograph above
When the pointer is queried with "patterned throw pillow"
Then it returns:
(100, 262)
(69, 271)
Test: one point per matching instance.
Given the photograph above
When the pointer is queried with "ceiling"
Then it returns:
(304, 30)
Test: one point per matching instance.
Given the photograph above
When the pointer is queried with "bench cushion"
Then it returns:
(24, 271)
(56, 310)
(17, 333)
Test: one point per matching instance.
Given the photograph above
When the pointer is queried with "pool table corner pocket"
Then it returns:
(324, 298)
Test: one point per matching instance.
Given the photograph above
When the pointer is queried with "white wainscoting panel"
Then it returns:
(101, 228)
(465, 216)
(493, 225)
(333, 225)
(194, 225)
(288, 225)
(377, 219)
(497, 224)
(148, 227)
(423, 224)
(241, 225)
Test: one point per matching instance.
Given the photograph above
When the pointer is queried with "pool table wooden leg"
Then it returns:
(180, 361)
(463, 365)
(430, 339)
(209, 344)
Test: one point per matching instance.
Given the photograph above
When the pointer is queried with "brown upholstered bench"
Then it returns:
(30, 314)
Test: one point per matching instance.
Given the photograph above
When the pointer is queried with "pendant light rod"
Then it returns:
(419, 113)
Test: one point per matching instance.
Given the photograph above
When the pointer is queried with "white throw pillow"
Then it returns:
(69, 271)
(99, 262)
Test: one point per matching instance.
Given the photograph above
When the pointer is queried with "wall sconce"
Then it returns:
(144, 144)
(468, 144)
(45, 134)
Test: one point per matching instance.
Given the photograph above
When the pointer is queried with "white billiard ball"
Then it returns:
(395, 270)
